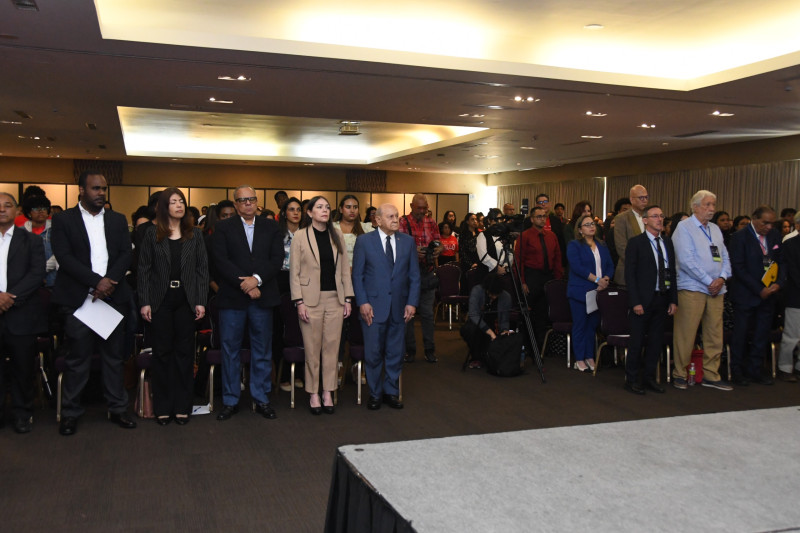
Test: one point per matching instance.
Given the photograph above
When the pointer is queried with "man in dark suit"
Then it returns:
(386, 282)
(752, 251)
(248, 253)
(93, 250)
(653, 295)
(22, 269)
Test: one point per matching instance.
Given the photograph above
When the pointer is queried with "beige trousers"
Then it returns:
(321, 336)
(695, 308)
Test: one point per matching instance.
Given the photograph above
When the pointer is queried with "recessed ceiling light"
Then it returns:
(464, 115)
(214, 100)
(495, 107)
(524, 99)
(647, 126)
(591, 136)
(310, 164)
(11, 122)
(593, 114)
(593, 27)
(721, 114)
(527, 148)
(233, 78)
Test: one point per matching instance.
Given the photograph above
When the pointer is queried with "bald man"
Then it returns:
(627, 225)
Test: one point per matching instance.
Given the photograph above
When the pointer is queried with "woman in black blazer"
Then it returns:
(173, 287)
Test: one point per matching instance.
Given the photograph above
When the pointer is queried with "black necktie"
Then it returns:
(389, 250)
(545, 259)
(662, 271)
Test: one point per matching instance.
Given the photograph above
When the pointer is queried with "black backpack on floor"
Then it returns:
(503, 356)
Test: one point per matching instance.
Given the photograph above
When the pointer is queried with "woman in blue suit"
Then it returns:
(590, 268)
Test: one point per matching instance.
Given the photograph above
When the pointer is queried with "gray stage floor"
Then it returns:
(737, 471)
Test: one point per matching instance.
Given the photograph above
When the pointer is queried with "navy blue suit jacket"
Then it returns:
(386, 289)
(748, 266)
(581, 264)
(641, 271)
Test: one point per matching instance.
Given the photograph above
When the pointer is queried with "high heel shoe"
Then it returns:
(589, 363)
(182, 420)
(163, 420)
(328, 409)
(314, 410)
(579, 369)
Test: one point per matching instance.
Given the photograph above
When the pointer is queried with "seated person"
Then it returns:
(486, 301)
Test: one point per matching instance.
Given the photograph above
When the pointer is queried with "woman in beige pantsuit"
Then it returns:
(322, 291)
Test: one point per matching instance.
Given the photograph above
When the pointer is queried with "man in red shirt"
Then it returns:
(539, 256)
(425, 230)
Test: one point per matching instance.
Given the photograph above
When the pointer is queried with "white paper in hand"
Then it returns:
(99, 316)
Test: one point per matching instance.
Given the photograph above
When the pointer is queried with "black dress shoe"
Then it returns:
(327, 409)
(762, 380)
(651, 384)
(315, 410)
(373, 404)
(633, 387)
(409, 358)
(23, 425)
(392, 401)
(740, 380)
(431, 357)
(163, 420)
(182, 420)
(265, 410)
(68, 425)
(227, 412)
(122, 420)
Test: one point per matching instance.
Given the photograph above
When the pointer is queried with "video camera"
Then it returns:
(429, 250)
(506, 227)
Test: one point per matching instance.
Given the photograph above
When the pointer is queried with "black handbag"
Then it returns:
(503, 358)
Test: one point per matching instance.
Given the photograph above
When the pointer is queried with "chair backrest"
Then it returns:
(292, 337)
(355, 331)
(449, 280)
(613, 306)
(555, 291)
(212, 311)
(474, 277)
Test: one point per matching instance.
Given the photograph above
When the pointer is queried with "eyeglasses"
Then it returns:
(587, 225)
(654, 216)
(39, 209)
(249, 199)
(643, 198)
(542, 202)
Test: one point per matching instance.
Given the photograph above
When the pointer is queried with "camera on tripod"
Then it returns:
(506, 228)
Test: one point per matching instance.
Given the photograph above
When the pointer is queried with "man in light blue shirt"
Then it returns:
(703, 267)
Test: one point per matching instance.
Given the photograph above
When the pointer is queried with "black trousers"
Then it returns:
(21, 351)
(649, 326)
(751, 326)
(172, 369)
(83, 342)
(537, 301)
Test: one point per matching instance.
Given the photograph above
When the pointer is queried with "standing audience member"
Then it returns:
(540, 258)
(786, 227)
(349, 223)
(172, 289)
(508, 209)
(620, 206)
(224, 210)
(467, 237)
(725, 223)
(369, 217)
(489, 245)
(554, 224)
(741, 222)
(752, 252)
(590, 269)
(21, 318)
(629, 225)
(787, 367)
(386, 284)
(703, 269)
(795, 229)
(675, 220)
(93, 250)
(653, 295)
(280, 198)
(37, 209)
(584, 207)
(425, 232)
(450, 217)
(449, 244)
(289, 219)
(322, 291)
(560, 210)
(248, 252)
(29, 192)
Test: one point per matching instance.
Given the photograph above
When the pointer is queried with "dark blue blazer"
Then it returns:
(387, 289)
(581, 264)
(641, 271)
(74, 255)
(748, 266)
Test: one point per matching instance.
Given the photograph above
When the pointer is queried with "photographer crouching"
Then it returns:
(425, 231)
(487, 301)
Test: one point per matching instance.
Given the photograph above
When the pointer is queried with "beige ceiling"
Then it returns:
(418, 70)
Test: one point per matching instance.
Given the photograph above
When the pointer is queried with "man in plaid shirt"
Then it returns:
(424, 230)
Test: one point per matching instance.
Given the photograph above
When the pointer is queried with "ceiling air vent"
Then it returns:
(29, 5)
(695, 134)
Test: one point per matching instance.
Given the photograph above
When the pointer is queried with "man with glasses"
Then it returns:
(539, 255)
(753, 251)
(248, 253)
(627, 225)
(653, 295)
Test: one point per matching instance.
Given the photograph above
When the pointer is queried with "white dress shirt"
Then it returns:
(392, 239)
(96, 229)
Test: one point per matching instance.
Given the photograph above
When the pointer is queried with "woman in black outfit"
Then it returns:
(172, 287)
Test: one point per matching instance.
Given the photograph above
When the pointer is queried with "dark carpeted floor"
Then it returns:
(252, 474)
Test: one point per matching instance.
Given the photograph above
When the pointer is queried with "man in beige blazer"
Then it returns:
(627, 225)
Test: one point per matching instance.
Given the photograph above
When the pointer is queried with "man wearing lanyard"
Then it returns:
(650, 278)
(752, 252)
(703, 266)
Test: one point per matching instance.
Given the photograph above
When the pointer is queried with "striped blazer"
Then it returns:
(154, 268)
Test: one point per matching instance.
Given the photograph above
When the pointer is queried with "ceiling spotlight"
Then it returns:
(721, 114)
(591, 136)
(525, 99)
(214, 100)
(647, 126)
(464, 115)
(593, 114)
(241, 77)
(11, 122)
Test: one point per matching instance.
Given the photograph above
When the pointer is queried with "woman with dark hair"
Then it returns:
(369, 216)
(322, 291)
(449, 241)
(289, 218)
(450, 218)
(349, 224)
(173, 288)
(590, 268)
(673, 222)
(37, 210)
(740, 222)
(725, 223)
(584, 207)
